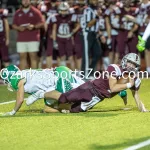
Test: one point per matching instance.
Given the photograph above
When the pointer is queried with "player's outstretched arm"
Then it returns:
(139, 103)
(19, 100)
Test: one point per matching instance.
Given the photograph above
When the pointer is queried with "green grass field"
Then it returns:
(107, 126)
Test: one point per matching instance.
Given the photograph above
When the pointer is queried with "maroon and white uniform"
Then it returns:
(51, 19)
(64, 29)
(78, 47)
(3, 47)
(114, 22)
(143, 12)
(102, 26)
(82, 97)
(123, 41)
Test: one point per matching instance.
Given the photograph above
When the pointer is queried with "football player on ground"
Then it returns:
(90, 93)
(38, 82)
(4, 37)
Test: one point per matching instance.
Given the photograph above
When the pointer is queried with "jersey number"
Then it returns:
(64, 29)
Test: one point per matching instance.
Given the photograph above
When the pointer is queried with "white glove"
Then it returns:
(13, 112)
(108, 41)
(55, 45)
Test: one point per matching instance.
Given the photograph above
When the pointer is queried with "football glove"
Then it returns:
(55, 45)
(141, 44)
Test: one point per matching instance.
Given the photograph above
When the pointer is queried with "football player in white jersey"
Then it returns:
(33, 81)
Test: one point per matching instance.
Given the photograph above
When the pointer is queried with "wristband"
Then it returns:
(129, 85)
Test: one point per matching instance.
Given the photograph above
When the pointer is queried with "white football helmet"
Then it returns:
(63, 8)
(133, 58)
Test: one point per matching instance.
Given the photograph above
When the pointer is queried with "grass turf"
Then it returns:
(107, 126)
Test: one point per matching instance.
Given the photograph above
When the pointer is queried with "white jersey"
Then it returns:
(39, 80)
(45, 80)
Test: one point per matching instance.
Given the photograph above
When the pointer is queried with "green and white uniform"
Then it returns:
(47, 80)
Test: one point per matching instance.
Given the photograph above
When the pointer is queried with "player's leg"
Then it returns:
(49, 53)
(96, 52)
(22, 50)
(33, 49)
(4, 55)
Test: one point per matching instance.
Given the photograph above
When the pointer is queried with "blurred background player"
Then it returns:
(77, 43)
(62, 34)
(51, 13)
(4, 38)
(27, 22)
(127, 37)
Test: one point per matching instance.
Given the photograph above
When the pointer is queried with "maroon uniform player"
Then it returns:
(63, 31)
(90, 93)
(51, 12)
(113, 12)
(127, 37)
(105, 38)
(4, 36)
(76, 18)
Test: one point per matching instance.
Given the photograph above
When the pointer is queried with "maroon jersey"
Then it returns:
(84, 96)
(126, 25)
(114, 19)
(64, 26)
(51, 13)
(3, 15)
(102, 85)
(33, 16)
(143, 12)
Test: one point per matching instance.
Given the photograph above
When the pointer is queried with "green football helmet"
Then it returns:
(8, 72)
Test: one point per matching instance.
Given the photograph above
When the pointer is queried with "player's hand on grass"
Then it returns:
(13, 112)
(141, 44)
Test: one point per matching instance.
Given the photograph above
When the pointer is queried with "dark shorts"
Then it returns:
(78, 46)
(4, 53)
(65, 47)
(114, 43)
(123, 44)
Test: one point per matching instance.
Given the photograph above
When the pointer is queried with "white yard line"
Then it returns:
(4, 103)
(140, 145)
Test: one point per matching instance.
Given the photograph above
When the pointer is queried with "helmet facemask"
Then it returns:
(63, 9)
(131, 63)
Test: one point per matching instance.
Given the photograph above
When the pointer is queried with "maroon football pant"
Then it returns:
(83, 93)
(4, 53)
(123, 42)
(65, 47)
